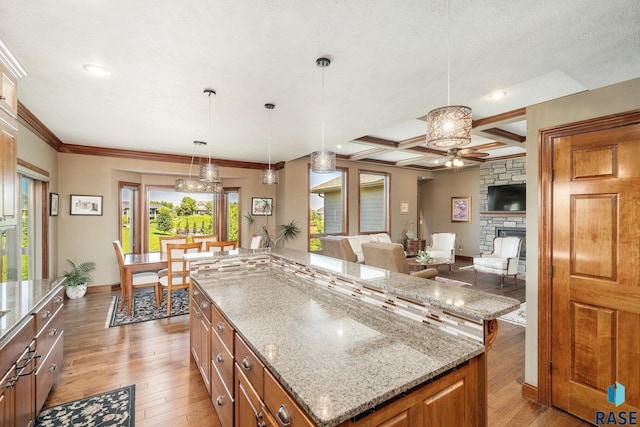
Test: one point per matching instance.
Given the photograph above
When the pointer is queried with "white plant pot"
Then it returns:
(75, 292)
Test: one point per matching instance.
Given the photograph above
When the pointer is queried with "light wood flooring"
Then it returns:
(169, 391)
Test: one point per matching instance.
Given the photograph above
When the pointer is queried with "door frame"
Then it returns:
(546, 139)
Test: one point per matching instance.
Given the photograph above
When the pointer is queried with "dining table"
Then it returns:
(135, 263)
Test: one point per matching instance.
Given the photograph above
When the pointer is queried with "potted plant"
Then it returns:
(77, 278)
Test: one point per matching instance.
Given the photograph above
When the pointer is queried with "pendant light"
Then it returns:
(209, 177)
(270, 176)
(449, 126)
(323, 161)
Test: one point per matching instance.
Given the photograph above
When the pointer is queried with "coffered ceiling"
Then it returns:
(388, 69)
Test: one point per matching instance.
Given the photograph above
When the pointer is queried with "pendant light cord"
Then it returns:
(210, 135)
(323, 108)
(270, 132)
(449, 55)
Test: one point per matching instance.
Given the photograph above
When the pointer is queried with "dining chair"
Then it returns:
(204, 240)
(256, 242)
(164, 241)
(228, 245)
(177, 274)
(138, 280)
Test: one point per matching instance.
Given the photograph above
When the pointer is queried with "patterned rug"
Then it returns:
(518, 317)
(451, 281)
(113, 408)
(144, 307)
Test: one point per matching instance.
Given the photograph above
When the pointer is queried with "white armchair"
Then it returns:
(503, 261)
(442, 248)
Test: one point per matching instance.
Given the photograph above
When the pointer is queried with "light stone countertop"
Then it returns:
(464, 300)
(338, 357)
(19, 299)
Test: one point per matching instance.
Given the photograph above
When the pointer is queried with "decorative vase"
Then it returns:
(75, 292)
(410, 234)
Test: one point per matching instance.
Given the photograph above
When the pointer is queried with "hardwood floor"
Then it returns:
(169, 390)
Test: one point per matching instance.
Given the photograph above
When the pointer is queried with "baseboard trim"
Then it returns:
(102, 288)
(530, 392)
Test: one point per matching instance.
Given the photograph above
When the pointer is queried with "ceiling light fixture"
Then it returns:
(455, 161)
(270, 176)
(498, 94)
(449, 126)
(323, 161)
(96, 70)
(209, 177)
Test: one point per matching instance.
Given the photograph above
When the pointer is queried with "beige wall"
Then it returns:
(435, 207)
(83, 238)
(294, 205)
(586, 105)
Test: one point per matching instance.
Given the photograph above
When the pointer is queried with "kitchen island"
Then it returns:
(345, 342)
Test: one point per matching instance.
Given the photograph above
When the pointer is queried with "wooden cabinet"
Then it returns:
(8, 172)
(414, 245)
(249, 409)
(49, 344)
(8, 92)
(17, 392)
(200, 333)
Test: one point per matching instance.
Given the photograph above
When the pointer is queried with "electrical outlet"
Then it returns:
(459, 247)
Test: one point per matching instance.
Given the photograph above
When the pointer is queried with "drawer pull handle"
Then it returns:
(198, 314)
(246, 363)
(220, 401)
(220, 358)
(59, 299)
(53, 367)
(46, 314)
(204, 304)
(283, 415)
(53, 332)
(220, 326)
(196, 292)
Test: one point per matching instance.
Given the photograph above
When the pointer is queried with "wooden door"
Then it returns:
(596, 270)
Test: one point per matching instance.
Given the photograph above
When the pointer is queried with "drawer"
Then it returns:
(48, 371)
(46, 312)
(201, 299)
(222, 328)
(281, 405)
(49, 334)
(250, 365)
(222, 400)
(222, 359)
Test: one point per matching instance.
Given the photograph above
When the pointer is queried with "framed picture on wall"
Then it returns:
(404, 207)
(86, 205)
(53, 204)
(460, 209)
(261, 206)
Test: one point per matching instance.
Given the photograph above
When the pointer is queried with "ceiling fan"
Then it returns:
(458, 154)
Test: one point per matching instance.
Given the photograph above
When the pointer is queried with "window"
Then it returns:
(327, 205)
(130, 232)
(373, 201)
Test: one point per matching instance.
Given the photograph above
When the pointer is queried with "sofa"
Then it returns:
(357, 241)
(338, 247)
(390, 256)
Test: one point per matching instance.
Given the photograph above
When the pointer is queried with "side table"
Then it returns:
(412, 246)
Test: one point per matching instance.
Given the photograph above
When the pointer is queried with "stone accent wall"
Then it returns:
(500, 172)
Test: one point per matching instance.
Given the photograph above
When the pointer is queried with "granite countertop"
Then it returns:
(464, 300)
(18, 300)
(337, 356)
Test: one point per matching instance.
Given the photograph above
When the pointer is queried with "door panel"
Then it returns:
(596, 274)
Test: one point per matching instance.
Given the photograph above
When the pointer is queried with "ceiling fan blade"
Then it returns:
(476, 154)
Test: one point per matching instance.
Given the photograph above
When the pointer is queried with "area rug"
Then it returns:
(113, 408)
(518, 317)
(519, 276)
(144, 307)
(451, 281)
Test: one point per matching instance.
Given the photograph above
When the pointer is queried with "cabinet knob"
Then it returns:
(53, 332)
(196, 292)
(220, 401)
(246, 364)
(59, 299)
(46, 314)
(220, 358)
(53, 367)
(198, 314)
(204, 304)
(220, 326)
(283, 415)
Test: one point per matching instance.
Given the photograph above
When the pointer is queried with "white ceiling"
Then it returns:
(389, 68)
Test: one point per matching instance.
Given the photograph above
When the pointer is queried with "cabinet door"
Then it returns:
(8, 172)
(200, 328)
(25, 390)
(8, 92)
(7, 393)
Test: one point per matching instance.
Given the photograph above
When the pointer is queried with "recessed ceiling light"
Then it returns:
(498, 94)
(96, 70)
(339, 146)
